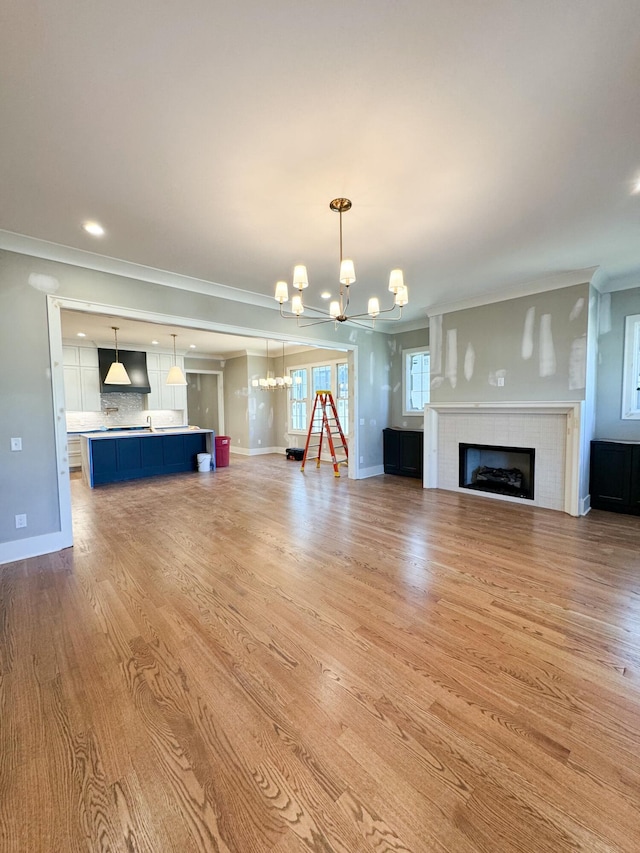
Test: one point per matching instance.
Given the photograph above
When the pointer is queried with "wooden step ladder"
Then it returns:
(325, 422)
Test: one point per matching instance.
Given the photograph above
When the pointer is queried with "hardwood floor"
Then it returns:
(260, 660)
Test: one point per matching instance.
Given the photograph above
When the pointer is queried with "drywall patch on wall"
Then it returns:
(547, 349)
(576, 310)
(578, 364)
(43, 283)
(451, 363)
(435, 344)
(527, 333)
(469, 362)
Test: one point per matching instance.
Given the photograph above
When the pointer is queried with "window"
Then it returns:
(631, 377)
(332, 376)
(298, 400)
(415, 380)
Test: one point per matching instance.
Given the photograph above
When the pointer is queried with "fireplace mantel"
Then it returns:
(568, 431)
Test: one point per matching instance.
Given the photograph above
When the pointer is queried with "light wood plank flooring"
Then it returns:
(259, 660)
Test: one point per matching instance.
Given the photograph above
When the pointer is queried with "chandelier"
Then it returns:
(338, 308)
(271, 382)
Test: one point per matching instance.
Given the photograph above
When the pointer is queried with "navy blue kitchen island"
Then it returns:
(110, 457)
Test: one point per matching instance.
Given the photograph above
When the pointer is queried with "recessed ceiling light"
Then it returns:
(192, 346)
(325, 295)
(93, 228)
(81, 335)
(155, 343)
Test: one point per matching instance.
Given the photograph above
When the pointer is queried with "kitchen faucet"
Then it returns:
(150, 422)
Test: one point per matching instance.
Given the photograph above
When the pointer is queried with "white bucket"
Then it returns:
(204, 461)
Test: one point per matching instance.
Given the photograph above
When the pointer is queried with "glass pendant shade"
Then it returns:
(373, 308)
(396, 280)
(117, 375)
(282, 292)
(300, 279)
(402, 296)
(347, 272)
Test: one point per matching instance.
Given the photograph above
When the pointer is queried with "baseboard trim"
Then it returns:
(374, 471)
(35, 546)
(257, 451)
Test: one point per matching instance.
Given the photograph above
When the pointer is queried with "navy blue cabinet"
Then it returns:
(402, 452)
(132, 457)
(615, 476)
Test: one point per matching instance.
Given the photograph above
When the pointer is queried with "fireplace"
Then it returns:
(554, 429)
(497, 469)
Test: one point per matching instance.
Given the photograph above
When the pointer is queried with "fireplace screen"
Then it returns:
(497, 469)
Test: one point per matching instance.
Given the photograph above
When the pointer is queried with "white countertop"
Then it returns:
(141, 433)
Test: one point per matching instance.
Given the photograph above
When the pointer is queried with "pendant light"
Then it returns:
(117, 374)
(175, 375)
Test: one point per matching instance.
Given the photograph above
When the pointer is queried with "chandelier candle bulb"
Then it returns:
(300, 279)
(296, 304)
(347, 272)
(334, 309)
(402, 296)
(374, 306)
(396, 281)
(282, 292)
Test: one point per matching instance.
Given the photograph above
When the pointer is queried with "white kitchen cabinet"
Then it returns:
(89, 379)
(81, 379)
(164, 396)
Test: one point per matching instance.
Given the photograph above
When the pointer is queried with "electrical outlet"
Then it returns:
(21, 520)
(16, 444)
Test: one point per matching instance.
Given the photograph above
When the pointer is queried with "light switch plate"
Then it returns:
(16, 444)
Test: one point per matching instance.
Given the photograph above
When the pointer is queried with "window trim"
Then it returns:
(406, 353)
(631, 369)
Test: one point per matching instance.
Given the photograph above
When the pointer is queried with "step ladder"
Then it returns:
(325, 422)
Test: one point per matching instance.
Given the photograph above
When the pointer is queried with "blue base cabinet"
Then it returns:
(117, 459)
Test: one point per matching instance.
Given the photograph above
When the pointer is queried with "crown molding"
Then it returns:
(24, 245)
(552, 282)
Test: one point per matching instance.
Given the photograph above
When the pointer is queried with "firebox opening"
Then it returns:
(496, 469)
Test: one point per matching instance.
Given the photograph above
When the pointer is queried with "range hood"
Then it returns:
(135, 363)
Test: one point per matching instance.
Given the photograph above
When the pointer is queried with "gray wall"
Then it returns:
(538, 344)
(397, 345)
(202, 400)
(236, 397)
(614, 308)
(28, 479)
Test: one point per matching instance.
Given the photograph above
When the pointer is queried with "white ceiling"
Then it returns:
(482, 144)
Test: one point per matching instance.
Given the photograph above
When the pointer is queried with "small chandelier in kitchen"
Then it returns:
(271, 382)
(338, 308)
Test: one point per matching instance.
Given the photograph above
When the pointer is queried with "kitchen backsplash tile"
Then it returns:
(123, 410)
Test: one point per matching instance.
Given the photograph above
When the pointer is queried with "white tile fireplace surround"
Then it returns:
(553, 429)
